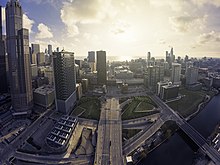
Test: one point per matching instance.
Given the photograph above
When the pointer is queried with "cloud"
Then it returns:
(44, 32)
(209, 37)
(75, 12)
(27, 23)
(175, 5)
(120, 27)
(186, 22)
(162, 42)
(90, 37)
(204, 2)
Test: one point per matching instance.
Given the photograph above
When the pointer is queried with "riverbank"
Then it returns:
(203, 104)
(178, 150)
(199, 108)
(162, 135)
(191, 102)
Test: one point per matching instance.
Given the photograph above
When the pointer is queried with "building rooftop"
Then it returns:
(170, 86)
(47, 89)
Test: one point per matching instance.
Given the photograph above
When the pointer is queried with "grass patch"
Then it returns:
(143, 107)
(88, 107)
(189, 103)
(139, 107)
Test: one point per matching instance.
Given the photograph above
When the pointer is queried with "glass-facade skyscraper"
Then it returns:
(18, 59)
(65, 81)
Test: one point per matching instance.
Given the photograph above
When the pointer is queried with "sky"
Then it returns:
(125, 28)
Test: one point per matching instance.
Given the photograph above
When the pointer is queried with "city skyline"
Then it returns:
(134, 27)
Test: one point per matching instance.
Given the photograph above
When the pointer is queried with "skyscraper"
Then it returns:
(148, 58)
(50, 54)
(3, 77)
(101, 67)
(50, 51)
(192, 75)
(65, 80)
(153, 75)
(40, 58)
(35, 49)
(18, 59)
(91, 60)
(176, 72)
(170, 57)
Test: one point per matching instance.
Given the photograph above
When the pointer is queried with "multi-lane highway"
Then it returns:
(109, 143)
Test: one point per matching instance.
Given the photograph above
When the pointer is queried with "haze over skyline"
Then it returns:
(125, 28)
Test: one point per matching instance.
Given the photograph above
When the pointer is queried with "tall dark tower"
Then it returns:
(101, 67)
(3, 77)
(0, 22)
(18, 59)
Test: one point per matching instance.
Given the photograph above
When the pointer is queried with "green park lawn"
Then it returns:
(139, 107)
(88, 107)
(188, 104)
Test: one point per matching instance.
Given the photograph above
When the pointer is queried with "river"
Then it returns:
(176, 150)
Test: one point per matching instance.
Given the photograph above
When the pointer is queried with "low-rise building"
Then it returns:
(62, 131)
(44, 96)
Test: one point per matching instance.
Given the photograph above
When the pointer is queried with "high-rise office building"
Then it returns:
(50, 51)
(192, 75)
(188, 65)
(148, 58)
(35, 49)
(91, 60)
(154, 74)
(40, 58)
(3, 76)
(91, 56)
(176, 72)
(18, 59)
(65, 81)
(101, 67)
(50, 54)
(170, 57)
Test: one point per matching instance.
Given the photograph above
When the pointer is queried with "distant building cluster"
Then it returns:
(35, 77)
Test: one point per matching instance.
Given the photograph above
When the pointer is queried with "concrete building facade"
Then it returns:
(44, 96)
(176, 72)
(65, 81)
(154, 74)
(192, 75)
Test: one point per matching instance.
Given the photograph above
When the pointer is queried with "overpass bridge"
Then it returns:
(52, 159)
(189, 130)
(134, 142)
